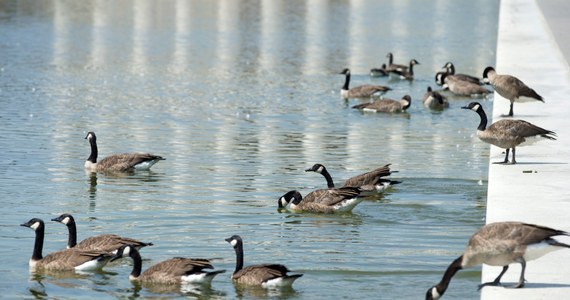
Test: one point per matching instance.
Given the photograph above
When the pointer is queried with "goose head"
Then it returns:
(474, 106)
(64, 219)
(317, 168)
(293, 197)
(234, 240)
(489, 71)
(346, 71)
(34, 224)
(123, 251)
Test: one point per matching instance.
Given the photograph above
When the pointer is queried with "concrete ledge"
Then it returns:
(537, 189)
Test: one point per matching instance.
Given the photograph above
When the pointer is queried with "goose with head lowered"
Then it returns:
(501, 244)
(64, 260)
(176, 270)
(434, 100)
(508, 133)
(510, 88)
(264, 275)
(328, 201)
(124, 162)
(102, 242)
(386, 105)
(362, 91)
(367, 182)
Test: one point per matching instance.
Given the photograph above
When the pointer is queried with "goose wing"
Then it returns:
(68, 259)
(125, 161)
(513, 234)
(521, 128)
(369, 178)
(261, 273)
(109, 243)
(330, 197)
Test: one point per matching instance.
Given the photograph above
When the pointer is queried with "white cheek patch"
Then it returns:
(320, 170)
(435, 294)
(283, 202)
(127, 251)
(234, 243)
(476, 107)
(35, 225)
(65, 221)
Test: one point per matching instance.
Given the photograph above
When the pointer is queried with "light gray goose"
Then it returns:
(124, 162)
(386, 105)
(508, 133)
(102, 242)
(176, 270)
(392, 66)
(366, 182)
(379, 72)
(450, 69)
(328, 201)
(64, 260)
(460, 87)
(363, 91)
(510, 88)
(434, 100)
(501, 244)
(264, 275)
(405, 74)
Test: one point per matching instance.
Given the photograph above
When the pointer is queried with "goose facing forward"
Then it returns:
(501, 244)
(386, 105)
(264, 275)
(328, 201)
(362, 91)
(124, 162)
(508, 134)
(366, 182)
(102, 242)
(64, 260)
(510, 87)
(172, 271)
(434, 100)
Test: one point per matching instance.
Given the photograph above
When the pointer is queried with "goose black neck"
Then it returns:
(39, 243)
(411, 69)
(239, 256)
(483, 116)
(137, 262)
(346, 81)
(449, 273)
(72, 238)
(328, 177)
(93, 156)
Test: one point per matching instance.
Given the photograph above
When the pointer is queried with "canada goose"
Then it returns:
(363, 91)
(392, 66)
(265, 275)
(64, 260)
(510, 88)
(379, 72)
(405, 74)
(434, 100)
(386, 105)
(450, 69)
(124, 162)
(460, 87)
(328, 201)
(508, 134)
(102, 242)
(501, 244)
(171, 271)
(367, 182)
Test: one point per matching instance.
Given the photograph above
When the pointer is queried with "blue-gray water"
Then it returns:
(240, 97)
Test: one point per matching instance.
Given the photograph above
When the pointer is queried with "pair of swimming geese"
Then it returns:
(95, 252)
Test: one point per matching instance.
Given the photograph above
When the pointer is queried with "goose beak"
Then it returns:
(309, 170)
(115, 257)
(229, 240)
(465, 107)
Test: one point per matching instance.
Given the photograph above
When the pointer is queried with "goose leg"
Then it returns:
(497, 280)
(513, 161)
(506, 161)
(520, 284)
(511, 110)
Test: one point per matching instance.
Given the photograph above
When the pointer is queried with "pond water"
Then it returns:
(240, 97)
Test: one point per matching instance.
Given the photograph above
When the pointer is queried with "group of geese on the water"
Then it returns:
(497, 244)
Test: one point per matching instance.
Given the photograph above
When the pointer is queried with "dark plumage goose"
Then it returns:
(434, 100)
(367, 182)
(363, 91)
(328, 201)
(64, 260)
(508, 134)
(501, 244)
(125, 162)
(172, 271)
(510, 88)
(386, 105)
(450, 69)
(405, 74)
(460, 87)
(264, 275)
(392, 66)
(379, 72)
(102, 242)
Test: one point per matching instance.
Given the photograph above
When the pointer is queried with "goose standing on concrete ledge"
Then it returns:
(386, 105)
(264, 275)
(172, 271)
(367, 182)
(510, 88)
(102, 242)
(363, 91)
(125, 162)
(508, 134)
(501, 244)
(64, 260)
(328, 201)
